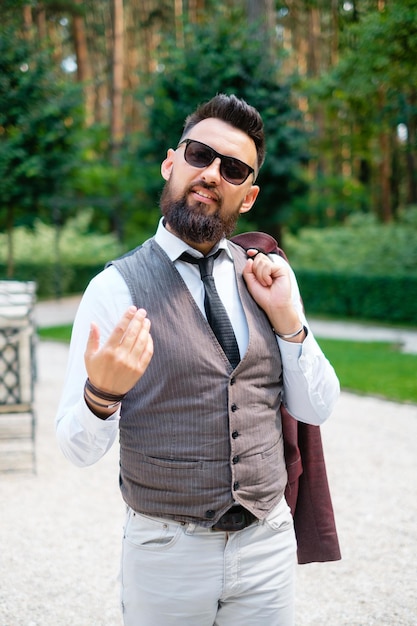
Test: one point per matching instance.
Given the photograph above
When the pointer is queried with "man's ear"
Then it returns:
(167, 164)
(249, 199)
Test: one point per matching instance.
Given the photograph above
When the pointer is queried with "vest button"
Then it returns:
(235, 434)
(236, 486)
(210, 514)
(232, 381)
(235, 459)
(234, 407)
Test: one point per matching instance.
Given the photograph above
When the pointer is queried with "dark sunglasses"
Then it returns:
(198, 154)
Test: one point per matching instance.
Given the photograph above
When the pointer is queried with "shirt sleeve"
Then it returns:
(82, 436)
(310, 385)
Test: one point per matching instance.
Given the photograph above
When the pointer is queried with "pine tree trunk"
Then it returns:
(84, 74)
(117, 79)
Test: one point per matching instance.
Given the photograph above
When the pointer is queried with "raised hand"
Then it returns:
(116, 366)
(269, 284)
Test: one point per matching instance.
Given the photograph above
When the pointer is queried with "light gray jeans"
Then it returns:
(177, 574)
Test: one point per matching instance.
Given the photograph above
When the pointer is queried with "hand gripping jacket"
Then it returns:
(307, 491)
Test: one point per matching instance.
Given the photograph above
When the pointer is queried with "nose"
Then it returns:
(211, 173)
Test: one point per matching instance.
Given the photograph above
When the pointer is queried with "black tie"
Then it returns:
(216, 313)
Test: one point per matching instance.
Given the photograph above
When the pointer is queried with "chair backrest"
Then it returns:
(17, 332)
(16, 366)
(17, 298)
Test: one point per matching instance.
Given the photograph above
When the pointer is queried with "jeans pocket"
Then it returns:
(150, 533)
(280, 518)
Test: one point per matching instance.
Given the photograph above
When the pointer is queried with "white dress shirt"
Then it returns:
(310, 385)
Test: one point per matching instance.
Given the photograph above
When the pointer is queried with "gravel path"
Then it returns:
(61, 529)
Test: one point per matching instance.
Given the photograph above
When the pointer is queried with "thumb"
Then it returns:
(252, 252)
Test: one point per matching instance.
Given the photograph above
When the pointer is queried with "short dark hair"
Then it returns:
(233, 111)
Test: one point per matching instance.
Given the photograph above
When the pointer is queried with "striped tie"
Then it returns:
(216, 313)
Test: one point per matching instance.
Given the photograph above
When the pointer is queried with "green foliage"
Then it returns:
(363, 269)
(61, 260)
(54, 280)
(348, 295)
(361, 246)
(70, 244)
(216, 58)
(115, 191)
(363, 99)
(39, 116)
(330, 200)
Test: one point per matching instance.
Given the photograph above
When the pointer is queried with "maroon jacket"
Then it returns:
(307, 491)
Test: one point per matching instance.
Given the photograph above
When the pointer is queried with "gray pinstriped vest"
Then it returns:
(195, 436)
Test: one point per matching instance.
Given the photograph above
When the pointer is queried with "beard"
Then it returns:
(191, 222)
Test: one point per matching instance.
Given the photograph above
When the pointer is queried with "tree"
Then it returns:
(224, 61)
(373, 89)
(38, 118)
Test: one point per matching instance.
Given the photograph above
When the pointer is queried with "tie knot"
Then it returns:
(204, 263)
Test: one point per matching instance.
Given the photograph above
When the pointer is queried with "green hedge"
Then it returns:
(55, 281)
(385, 298)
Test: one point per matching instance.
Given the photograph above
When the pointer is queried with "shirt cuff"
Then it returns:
(291, 351)
(93, 424)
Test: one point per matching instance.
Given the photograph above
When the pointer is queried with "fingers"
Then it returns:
(131, 337)
(131, 321)
(120, 362)
(261, 267)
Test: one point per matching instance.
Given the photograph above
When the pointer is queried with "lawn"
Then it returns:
(56, 333)
(372, 368)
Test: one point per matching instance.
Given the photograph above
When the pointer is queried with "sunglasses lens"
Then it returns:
(233, 170)
(199, 155)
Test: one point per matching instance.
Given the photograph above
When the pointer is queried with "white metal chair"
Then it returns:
(17, 374)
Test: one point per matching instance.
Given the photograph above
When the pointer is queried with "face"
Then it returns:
(198, 204)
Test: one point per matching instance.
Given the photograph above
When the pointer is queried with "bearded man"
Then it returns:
(209, 538)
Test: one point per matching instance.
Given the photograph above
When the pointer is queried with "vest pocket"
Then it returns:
(174, 464)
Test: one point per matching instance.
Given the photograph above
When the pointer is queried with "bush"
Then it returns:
(362, 246)
(384, 298)
(72, 244)
(59, 266)
(54, 281)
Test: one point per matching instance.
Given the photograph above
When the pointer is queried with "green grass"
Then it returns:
(56, 333)
(373, 368)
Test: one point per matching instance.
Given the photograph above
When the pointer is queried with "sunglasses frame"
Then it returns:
(216, 155)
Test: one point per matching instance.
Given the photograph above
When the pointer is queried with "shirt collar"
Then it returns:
(173, 246)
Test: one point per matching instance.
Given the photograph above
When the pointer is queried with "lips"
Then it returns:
(204, 195)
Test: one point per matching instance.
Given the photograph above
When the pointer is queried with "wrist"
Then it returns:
(101, 403)
(100, 410)
(288, 326)
(292, 335)
(297, 337)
